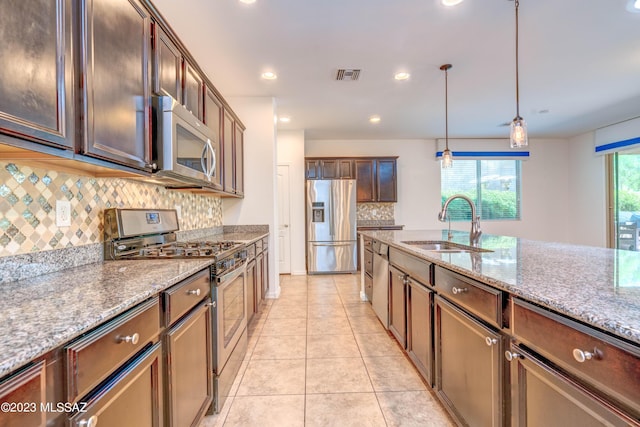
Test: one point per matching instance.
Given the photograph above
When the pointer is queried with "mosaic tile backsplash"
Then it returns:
(28, 198)
(374, 211)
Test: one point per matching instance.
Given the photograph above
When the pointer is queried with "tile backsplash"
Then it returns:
(375, 211)
(28, 198)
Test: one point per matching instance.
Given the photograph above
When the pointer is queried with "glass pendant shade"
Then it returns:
(518, 134)
(447, 159)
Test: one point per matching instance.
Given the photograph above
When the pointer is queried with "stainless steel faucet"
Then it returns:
(475, 233)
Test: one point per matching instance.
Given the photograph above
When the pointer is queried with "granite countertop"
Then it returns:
(597, 286)
(242, 237)
(41, 313)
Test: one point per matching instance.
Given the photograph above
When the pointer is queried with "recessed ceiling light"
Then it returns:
(374, 119)
(285, 119)
(402, 75)
(633, 6)
(269, 75)
(247, 1)
(450, 2)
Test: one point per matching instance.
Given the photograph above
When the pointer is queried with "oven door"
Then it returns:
(230, 317)
(187, 150)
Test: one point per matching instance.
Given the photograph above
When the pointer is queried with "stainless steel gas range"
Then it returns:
(138, 234)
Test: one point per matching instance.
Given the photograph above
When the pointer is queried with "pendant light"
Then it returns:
(447, 158)
(518, 134)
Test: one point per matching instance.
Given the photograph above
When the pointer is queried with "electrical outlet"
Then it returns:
(178, 209)
(63, 213)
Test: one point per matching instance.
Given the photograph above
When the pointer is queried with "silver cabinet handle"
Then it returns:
(490, 341)
(457, 291)
(211, 170)
(133, 339)
(195, 292)
(91, 422)
(582, 356)
(511, 356)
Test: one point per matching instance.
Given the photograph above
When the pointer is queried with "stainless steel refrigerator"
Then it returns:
(331, 226)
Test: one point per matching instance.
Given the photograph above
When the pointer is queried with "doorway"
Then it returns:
(284, 231)
(624, 200)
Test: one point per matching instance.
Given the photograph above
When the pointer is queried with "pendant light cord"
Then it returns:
(446, 107)
(517, 79)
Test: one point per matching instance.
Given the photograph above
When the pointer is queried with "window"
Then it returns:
(493, 185)
(626, 200)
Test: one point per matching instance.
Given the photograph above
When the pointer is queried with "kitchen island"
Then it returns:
(516, 331)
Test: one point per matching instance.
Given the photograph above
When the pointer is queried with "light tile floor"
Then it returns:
(318, 356)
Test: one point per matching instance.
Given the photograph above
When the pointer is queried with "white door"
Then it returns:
(284, 233)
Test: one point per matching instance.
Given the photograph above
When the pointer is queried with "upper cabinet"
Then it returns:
(193, 91)
(239, 159)
(167, 70)
(115, 93)
(233, 154)
(366, 180)
(330, 169)
(36, 86)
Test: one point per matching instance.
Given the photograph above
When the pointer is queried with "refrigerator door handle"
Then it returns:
(349, 243)
(331, 225)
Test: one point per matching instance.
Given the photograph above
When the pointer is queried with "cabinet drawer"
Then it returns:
(179, 299)
(368, 242)
(251, 252)
(614, 367)
(95, 356)
(265, 243)
(414, 267)
(368, 262)
(258, 246)
(483, 301)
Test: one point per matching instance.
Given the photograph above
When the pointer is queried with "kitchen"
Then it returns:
(562, 160)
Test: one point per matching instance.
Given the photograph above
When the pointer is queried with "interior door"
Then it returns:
(284, 233)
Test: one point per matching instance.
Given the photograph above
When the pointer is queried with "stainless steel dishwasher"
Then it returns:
(380, 298)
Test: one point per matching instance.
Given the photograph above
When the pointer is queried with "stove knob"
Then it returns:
(121, 247)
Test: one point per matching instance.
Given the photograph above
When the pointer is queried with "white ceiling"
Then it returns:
(579, 59)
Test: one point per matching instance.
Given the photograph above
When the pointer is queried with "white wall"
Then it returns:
(291, 153)
(545, 190)
(587, 193)
(259, 203)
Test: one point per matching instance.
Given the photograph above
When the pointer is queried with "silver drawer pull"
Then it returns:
(511, 356)
(195, 292)
(91, 422)
(457, 291)
(133, 339)
(582, 356)
(490, 341)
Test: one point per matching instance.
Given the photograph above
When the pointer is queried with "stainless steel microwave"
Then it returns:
(185, 149)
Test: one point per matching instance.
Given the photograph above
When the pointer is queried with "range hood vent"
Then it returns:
(348, 74)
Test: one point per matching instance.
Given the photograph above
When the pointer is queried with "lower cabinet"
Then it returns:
(397, 305)
(131, 398)
(544, 396)
(24, 391)
(251, 290)
(419, 327)
(469, 367)
(259, 279)
(265, 271)
(189, 368)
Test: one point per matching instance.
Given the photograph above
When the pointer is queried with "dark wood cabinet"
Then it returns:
(541, 395)
(228, 163)
(419, 328)
(116, 104)
(26, 389)
(365, 181)
(238, 172)
(386, 182)
(313, 169)
(193, 91)
(251, 290)
(36, 86)
(167, 65)
(397, 305)
(469, 367)
(337, 168)
(213, 112)
(259, 280)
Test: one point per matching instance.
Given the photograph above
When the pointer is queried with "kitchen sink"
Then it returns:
(442, 246)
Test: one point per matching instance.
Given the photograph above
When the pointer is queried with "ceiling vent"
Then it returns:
(347, 74)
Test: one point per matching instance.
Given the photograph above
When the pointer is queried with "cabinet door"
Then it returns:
(227, 152)
(386, 180)
(330, 169)
(419, 328)
(251, 290)
(265, 274)
(313, 169)
(544, 396)
(346, 169)
(189, 368)
(397, 307)
(260, 277)
(365, 180)
(239, 160)
(117, 87)
(28, 390)
(193, 91)
(469, 367)
(36, 87)
(136, 391)
(167, 65)
(213, 112)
